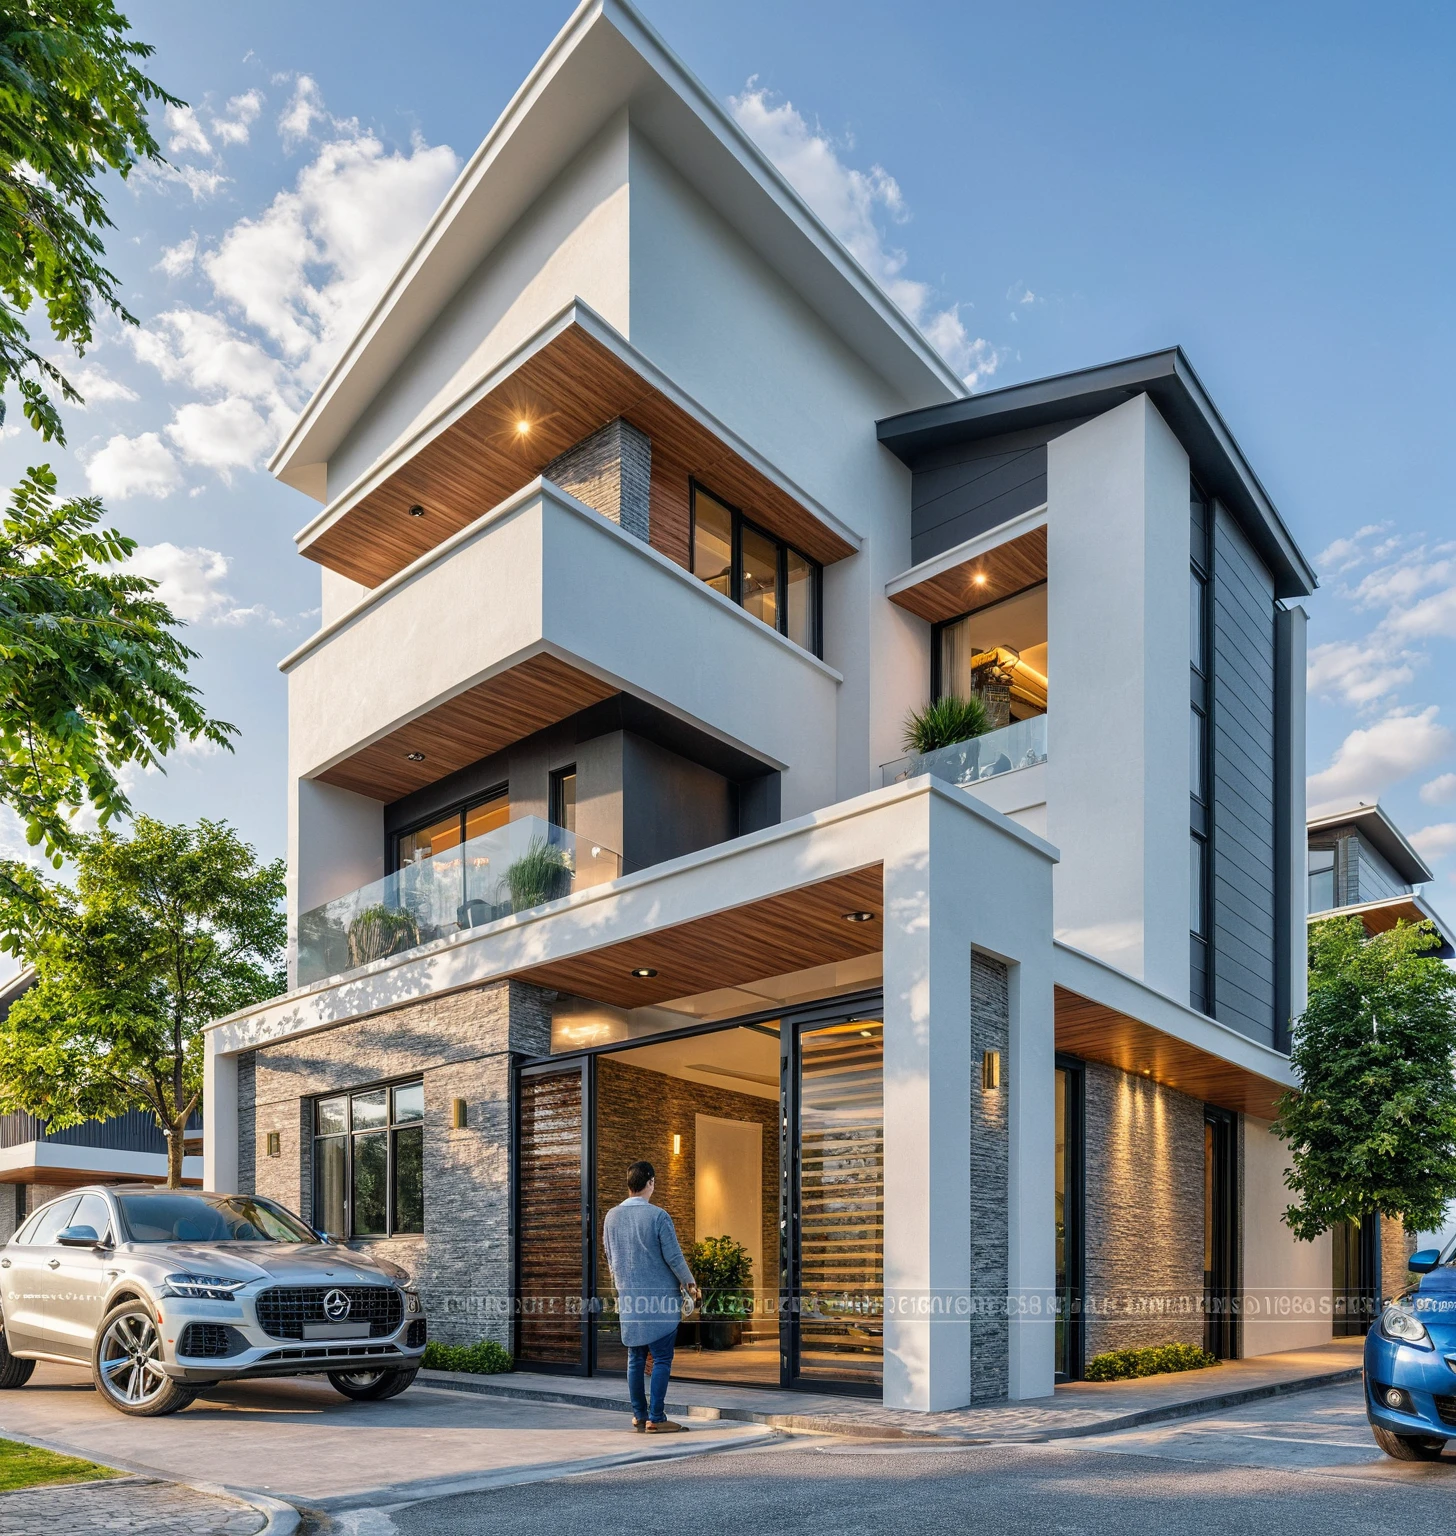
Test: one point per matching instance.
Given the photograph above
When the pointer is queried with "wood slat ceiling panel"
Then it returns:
(1009, 568)
(787, 932)
(1098, 1033)
(472, 725)
(565, 391)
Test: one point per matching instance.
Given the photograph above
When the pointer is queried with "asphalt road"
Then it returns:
(1300, 1464)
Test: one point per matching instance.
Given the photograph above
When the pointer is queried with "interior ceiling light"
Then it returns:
(859, 917)
(643, 971)
(415, 757)
(417, 510)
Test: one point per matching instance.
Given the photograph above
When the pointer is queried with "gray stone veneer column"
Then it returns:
(611, 471)
(990, 1144)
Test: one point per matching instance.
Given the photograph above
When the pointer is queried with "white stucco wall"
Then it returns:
(1286, 1283)
(1117, 729)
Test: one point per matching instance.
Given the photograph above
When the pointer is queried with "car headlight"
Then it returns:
(202, 1287)
(1402, 1325)
(412, 1302)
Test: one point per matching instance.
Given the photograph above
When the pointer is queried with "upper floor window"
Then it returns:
(1322, 879)
(368, 1162)
(769, 578)
(451, 828)
(997, 654)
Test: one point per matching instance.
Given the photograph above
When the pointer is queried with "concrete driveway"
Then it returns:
(299, 1440)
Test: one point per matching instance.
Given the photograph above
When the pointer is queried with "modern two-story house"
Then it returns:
(643, 520)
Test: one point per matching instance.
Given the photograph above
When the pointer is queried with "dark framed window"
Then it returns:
(1200, 752)
(448, 829)
(771, 579)
(368, 1161)
(1069, 1174)
(563, 798)
(1322, 888)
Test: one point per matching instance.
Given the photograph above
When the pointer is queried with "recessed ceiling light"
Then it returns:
(415, 757)
(643, 971)
(979, 578)
(417, 510)
(522, 427)
(859, 917)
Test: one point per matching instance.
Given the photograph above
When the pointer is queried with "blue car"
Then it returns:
(1410, 1364)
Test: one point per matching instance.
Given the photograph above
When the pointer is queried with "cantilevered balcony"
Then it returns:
(1022, 744)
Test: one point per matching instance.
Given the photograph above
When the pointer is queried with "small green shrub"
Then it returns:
(943, 723)
(483, 1359)
(541, 874)
(1123, 1364)
(723, 1268)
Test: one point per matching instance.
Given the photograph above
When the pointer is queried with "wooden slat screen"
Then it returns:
(842, 1202)
(549, 1212)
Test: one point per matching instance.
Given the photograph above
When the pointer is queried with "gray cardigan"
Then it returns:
(648, 1269)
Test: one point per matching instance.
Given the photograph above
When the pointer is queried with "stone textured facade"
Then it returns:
(990, 1023)
(611, 471)
(1144, 1213)
(461, 1045)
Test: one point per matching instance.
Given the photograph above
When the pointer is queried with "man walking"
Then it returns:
(650, 1274)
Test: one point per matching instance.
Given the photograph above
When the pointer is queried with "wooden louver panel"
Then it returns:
(552, 1283)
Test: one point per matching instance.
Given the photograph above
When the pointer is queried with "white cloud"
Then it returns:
(187, 137)
(178, 260)
(1434, 617)
(228, 434)
(305, 108)
(204, 352)
(853, 203)
(1357, 672)
(97, 387)
(233, 126)
(1440, 790)
(1374, 757)
(1435, 842)
(133, 466)
(190, 580)
(201, 184)
(1345, 554)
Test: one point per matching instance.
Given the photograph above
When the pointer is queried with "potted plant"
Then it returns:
(723, 1269)
(380, 931)
(541, 874)
(945, 722)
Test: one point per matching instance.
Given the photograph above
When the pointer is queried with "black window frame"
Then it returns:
(391, 1128)
(460, 808)
(740, 521)
(939, 626)
(1200, 703)
(556, 797)
(1072, 1363)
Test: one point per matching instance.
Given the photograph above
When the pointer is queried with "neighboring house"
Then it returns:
(644, 518)
(37, 1163)
(1361, 865)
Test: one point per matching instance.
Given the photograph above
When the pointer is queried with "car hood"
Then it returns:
(294, 1263)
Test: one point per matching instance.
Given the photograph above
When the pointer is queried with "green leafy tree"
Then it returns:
(73, 107)
(1372, 1127)
(164, 931)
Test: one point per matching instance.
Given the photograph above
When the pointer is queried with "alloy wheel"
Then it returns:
(360, 1379)
(131, 1360)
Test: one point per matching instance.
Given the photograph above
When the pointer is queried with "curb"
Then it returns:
(280, 1519)
(828, 1424)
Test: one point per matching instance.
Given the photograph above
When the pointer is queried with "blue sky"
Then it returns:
(1043, 187)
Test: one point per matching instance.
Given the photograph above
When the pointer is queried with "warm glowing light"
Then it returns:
(676, 1145)
(522, 427)
(980, 579)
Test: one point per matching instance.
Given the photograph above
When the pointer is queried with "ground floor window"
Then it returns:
(1069, 1204)
(1220, 1233)
(368, 1161)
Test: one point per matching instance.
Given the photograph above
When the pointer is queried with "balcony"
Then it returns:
(1022, 744)
(520, 866)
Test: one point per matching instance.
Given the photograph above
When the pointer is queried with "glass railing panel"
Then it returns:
(1022, 744)
(522, 865)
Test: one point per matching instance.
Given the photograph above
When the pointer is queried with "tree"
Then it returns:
(1372, 1127)
(73, 106)
(164, 932)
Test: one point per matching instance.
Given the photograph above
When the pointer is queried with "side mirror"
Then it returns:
(1421, 1263)
(78, 1237)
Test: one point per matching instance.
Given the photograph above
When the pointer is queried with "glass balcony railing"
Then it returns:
(1022, 744)
(524, 864)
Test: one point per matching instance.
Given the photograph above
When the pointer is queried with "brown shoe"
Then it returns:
(665, 1427)
(639, 1425)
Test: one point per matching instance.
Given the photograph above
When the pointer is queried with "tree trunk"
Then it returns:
(176, 1141)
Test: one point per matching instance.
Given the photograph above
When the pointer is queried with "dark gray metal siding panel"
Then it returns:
(135, 1131)
(1244, 786)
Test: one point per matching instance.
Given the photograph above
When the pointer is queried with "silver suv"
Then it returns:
(163, 1291)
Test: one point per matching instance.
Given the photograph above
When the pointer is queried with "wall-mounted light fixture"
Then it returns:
(459, 1114)
(275, 1144)
(676, 1144)
(990, 1070)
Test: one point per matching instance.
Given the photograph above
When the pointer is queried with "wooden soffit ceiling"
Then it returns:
(484, 719)
(564, 391)
(1098, 1033)
(984, 579)
(787, 932)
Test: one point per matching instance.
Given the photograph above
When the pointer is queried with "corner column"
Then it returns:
(219, 1117)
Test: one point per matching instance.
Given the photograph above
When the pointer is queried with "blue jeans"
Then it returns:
(661, 1352)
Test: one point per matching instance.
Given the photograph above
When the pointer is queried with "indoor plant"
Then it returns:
(724, 1272)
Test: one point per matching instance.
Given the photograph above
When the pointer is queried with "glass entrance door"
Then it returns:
(833, 1328)
(1220, 1233)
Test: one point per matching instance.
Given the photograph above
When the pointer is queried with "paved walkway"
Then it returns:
(133, 1506)
(1079, 1408)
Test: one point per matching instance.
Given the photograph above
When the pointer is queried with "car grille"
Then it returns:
(1446, 1407)
(415, 1338)
(283, 1311)
(210, 1341)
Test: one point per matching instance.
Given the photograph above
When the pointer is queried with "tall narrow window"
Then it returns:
(769, 578)
(563, 798)
(368, 1162)
(1200, 760)
(1322, 879)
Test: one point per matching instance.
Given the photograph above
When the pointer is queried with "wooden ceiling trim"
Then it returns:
(789, 931)
(484, 719)
(564, 392)
(1007, 569)
(1098, 1033)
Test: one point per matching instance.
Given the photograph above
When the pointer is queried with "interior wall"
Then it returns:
(728, 1181)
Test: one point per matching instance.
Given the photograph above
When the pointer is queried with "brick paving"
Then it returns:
(130, 1506)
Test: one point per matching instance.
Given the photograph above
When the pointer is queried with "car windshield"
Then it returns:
(182, 1217)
